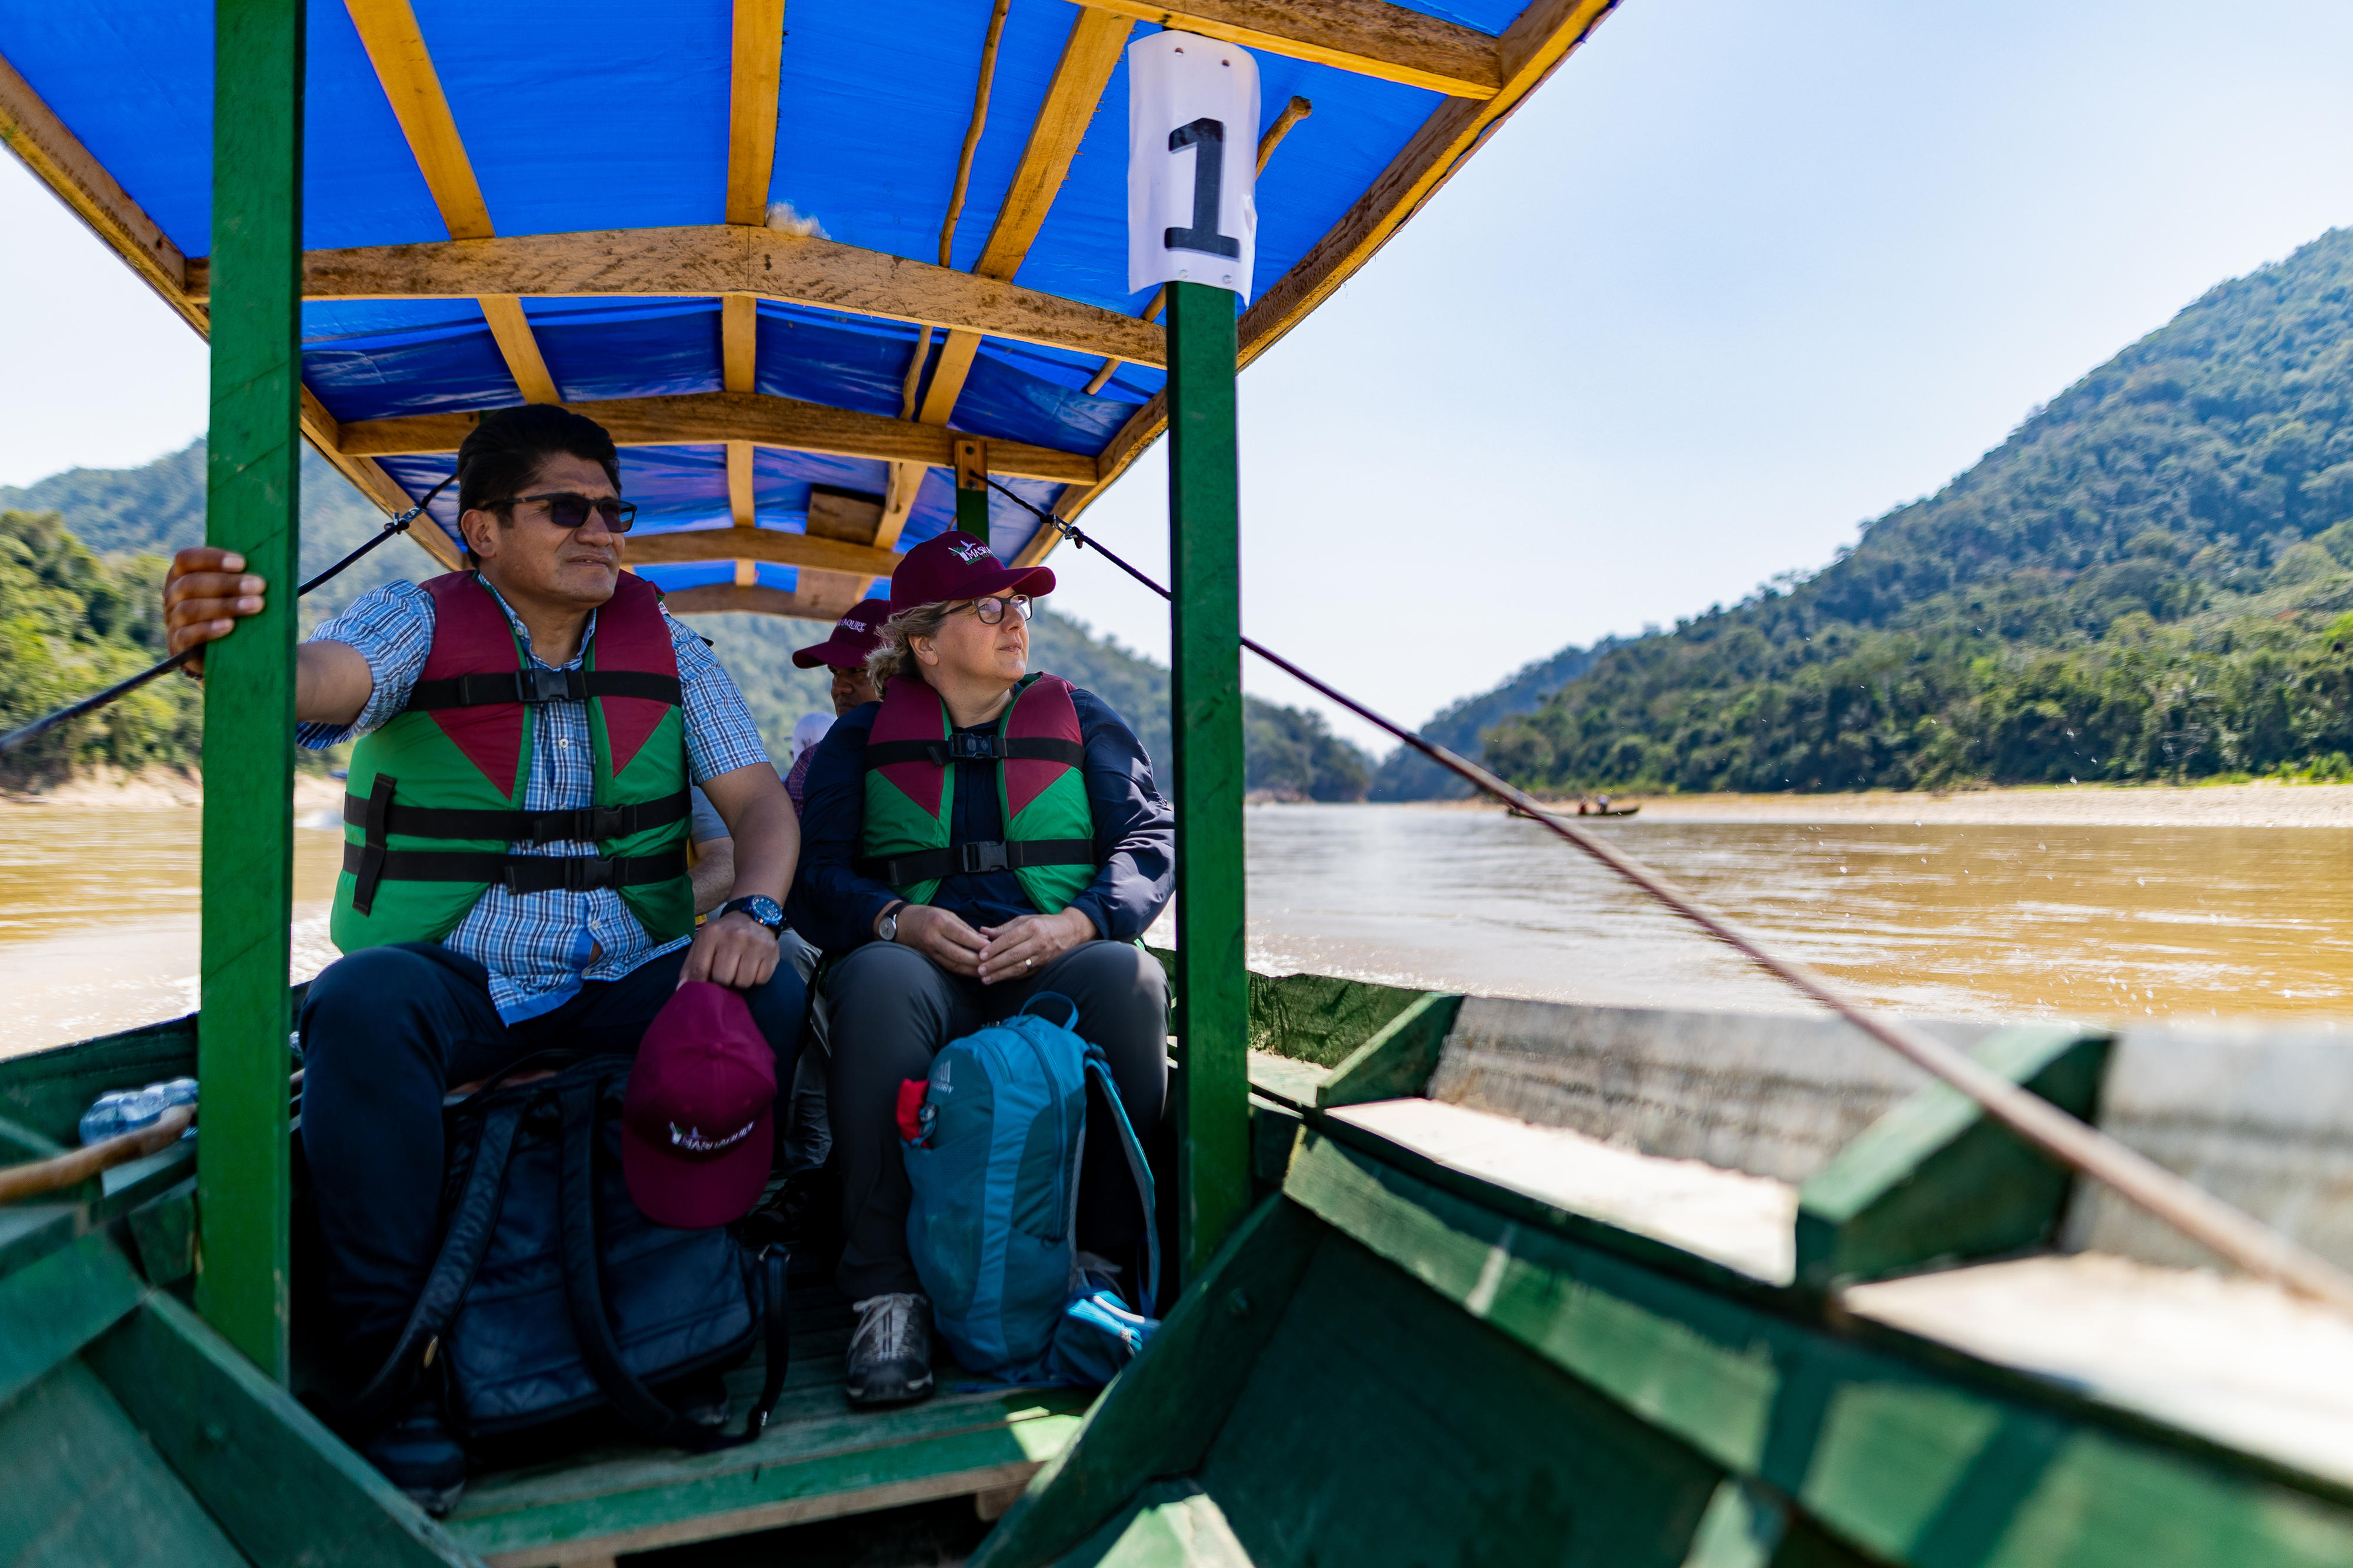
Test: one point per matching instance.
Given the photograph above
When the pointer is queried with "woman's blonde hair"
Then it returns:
(893, 656)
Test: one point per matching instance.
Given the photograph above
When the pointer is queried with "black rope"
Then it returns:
(16, 739)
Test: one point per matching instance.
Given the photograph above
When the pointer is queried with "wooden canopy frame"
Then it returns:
(741, 261)
(259, 403)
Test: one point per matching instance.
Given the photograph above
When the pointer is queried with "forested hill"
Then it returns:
(82, 555)
(2149, 579)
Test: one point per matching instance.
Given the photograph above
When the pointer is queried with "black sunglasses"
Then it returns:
(569, 510)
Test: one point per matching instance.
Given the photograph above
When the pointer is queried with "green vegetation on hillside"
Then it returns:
(2149, 580)
(70, 622)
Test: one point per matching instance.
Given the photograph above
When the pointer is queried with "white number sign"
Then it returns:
(1192, 161)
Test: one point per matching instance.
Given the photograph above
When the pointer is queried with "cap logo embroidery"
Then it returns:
(968, 552)
(692, 1141)
(849, 626)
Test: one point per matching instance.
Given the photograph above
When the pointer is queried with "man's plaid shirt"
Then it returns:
(540, 947)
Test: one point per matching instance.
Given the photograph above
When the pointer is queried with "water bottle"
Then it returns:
(122, 1110)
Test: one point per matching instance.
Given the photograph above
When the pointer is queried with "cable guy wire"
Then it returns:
(16, 739)
(2196, 1213)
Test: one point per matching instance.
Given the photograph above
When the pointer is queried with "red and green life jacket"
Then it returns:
(434, 798)
(1039, 755)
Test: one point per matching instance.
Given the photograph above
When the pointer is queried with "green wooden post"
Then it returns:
(972, 485)
(252, 464)
(1212, 982)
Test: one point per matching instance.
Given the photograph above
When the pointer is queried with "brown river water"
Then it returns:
(98, 913)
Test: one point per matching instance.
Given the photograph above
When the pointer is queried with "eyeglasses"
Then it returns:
(991, 610)
(569, 510)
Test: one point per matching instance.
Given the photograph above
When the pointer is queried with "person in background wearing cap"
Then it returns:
(570, 920)
(943, 915)
(855, 635)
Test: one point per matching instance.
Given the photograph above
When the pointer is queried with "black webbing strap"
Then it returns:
(584, 1295)
(587, 824)
(971, 860)
(465, 1238)
(977, 748)
(520, 874)
(375, 811)
(540, 684)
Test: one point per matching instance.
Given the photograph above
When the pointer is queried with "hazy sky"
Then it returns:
(1737, 279)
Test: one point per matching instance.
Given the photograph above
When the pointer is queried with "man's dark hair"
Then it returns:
(502, 452)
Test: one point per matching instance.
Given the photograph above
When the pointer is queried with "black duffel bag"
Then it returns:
(552, 1294)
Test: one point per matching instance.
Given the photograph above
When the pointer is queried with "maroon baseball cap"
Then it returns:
(696, 1130)
(856, 635)
(955, 565)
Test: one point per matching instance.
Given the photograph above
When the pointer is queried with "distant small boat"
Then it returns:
(1601, 807)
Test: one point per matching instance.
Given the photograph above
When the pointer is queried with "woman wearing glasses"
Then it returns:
(978, 834)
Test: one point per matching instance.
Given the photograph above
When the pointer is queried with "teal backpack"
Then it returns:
(992, 1141)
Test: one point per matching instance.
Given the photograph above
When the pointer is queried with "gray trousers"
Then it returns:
(892, 1009)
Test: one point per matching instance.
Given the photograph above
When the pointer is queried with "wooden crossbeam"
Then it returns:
(395, 48)
(695, 417)
(829, 601)
(59, 159)
(1368, 37)
(773, 545)
(1530, 50)
(720, 258)
(1089, 55)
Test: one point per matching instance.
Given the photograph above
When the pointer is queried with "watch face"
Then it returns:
(764, 910)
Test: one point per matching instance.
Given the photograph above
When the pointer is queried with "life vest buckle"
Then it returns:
(990, 855)
(973, 749)
(598, 823)
(541, 684)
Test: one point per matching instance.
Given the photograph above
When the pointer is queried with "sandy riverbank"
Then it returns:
(159, 789)
(2060, 806)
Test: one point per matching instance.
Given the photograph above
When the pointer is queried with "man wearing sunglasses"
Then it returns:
(514, 866)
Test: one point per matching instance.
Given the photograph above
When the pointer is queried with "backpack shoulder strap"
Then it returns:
(584, 1295)
(467, 1237)
(1134, 1147)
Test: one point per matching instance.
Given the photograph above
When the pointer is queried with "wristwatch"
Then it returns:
(887, 927)
(764, 910)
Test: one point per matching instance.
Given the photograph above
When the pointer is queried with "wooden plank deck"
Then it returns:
(818, 1459)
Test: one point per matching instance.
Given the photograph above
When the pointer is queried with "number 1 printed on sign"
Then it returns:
(1207, 139)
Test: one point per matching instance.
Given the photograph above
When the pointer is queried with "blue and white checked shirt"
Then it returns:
(539, 947)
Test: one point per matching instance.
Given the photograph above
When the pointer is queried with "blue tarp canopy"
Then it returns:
(604, 162)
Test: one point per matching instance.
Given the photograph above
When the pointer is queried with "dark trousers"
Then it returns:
(386, 1033)
(892, 1009)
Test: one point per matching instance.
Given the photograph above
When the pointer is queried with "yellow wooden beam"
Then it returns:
(396, 46)
(1090, 53)
(826, 601)
(1368, 37)
(739, 341)
(694, 417)
(511, 329)
(773, 545)
(1546, 33)
(752, 108)
(720, 258)
(60, 161)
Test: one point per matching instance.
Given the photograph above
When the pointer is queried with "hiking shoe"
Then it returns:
(890, 1353)
(417, 1455)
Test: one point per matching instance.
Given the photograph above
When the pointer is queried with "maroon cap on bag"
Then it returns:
(695, 1129)
(856, 635)
(955, 565)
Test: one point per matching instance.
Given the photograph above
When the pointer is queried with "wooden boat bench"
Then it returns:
(1603, 1285)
